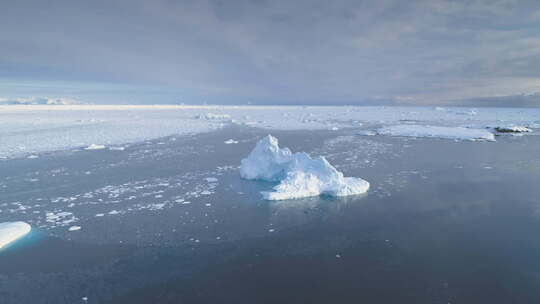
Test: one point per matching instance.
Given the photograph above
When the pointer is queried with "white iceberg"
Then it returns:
(456, 133)
(298, 174)
(11, 231)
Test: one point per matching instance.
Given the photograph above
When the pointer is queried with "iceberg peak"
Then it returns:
(298, 174)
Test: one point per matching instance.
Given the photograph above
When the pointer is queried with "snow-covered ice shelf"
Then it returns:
(30, 129)
(11, 231)
(298, 174)
(456, 133)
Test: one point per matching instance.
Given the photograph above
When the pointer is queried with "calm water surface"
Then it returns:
(444, 222)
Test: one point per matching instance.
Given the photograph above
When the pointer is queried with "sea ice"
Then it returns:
(298, 174)
(11, 231)
(66, 127)
(457, 133)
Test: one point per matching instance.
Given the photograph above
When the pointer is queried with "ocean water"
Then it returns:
(170, 221)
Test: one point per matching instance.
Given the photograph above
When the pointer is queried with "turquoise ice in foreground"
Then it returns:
(12, 231)
(298, 174)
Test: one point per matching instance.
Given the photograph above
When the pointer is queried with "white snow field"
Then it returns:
(11, 231)
(28, 129)
(298, 174)
(457, 133)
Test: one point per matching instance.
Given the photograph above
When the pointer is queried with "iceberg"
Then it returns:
(456, 133)
(11, 231)
(298, 174)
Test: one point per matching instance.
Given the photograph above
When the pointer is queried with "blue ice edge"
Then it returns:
(29, 239)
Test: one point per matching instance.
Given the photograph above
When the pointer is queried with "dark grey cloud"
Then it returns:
(402, 52)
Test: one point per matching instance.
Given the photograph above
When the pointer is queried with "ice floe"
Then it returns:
(298, 174)
(456, 133)
(212, 116)
(231, 141)
(11, 231)
(74, 228)
(95, 147)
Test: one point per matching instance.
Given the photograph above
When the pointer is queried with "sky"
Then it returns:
(389, 52)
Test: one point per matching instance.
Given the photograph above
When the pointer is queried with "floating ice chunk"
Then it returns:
(211, 179)
(299, 174)
(512, 129)
(212, 116)
(74, 228)
(11, 231)
(230, 141)
(367, 133)
(95, 147)
(117, 148)
(457, 133)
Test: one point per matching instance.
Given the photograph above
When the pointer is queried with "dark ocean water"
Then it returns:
(444, 222)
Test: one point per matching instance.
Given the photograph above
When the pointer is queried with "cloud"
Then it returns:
(280, 51)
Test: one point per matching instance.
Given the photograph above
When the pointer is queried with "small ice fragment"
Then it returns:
(367, 133)
(117, 148)
(212, 116)
(211, 179)
(100, 214)
(230, 141)
(338, 256)
(208, 205)
(74, 228)
(271, 230)
(32, 157)
(95, 147)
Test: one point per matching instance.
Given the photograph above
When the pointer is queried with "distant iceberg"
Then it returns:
(512, 129)
(456, 133)
(298, 174)
(38, 101)
(11, 231)
(95, 147)
(213, 116)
